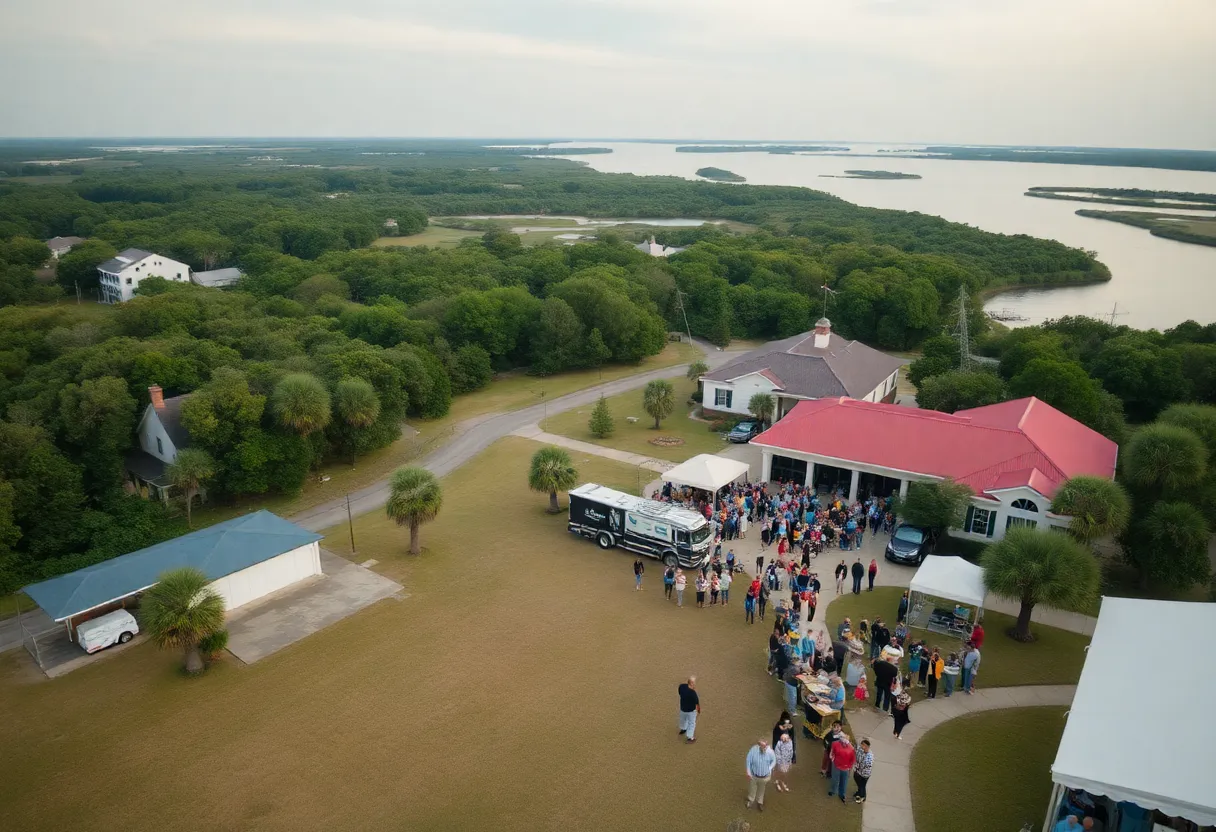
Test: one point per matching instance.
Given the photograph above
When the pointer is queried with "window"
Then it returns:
(160, 446)
(785, 469)
(128, 281)
(980, 521)
(1025, 505)
(1012, 522)
(722, 398)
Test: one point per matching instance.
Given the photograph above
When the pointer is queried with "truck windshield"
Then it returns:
(702, 534)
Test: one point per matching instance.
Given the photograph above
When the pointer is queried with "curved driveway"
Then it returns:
(475, 435)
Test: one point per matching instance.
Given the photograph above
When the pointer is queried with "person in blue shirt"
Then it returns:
(760, 764)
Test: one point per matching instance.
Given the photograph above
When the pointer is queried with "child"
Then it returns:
(860, 693)
(914, 661)
(715, 584)
(785, 758)
(863, 631)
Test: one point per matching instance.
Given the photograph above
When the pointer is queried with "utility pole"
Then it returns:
(826, 291)
(964, 333)
(351, 523)
(1115, 313)
(680, 301)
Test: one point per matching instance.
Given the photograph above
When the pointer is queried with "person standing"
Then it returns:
(950, 672)
(760, 763)
(844, 757)
(760, 564)
(971, 666)
(702, 584)
(785, 725)
(900, 711)
(873, 572)
(862, 769)
(669, 581)
(903, 608)
(829, 739)
(935, 671)
(690, 708)
(639, 569)
(812, 601)
(841, 572)
(681, 583)
(859, 572)
(790, 677)
(784, 750)
(762, 600)
(724, 586)
(977, 635)
(923, 674)
(880, 637)
(885, 674)
(749, 602)
(715, 586)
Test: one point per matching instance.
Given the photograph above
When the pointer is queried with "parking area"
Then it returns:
(267, 626)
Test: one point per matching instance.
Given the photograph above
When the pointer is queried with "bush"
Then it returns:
(213, 644)
(601, 424)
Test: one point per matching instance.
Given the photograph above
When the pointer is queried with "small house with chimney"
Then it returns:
(161, 436)
(814, 365)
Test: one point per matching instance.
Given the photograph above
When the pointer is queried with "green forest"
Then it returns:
(327, 346)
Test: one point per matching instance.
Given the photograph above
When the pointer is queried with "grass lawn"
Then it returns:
(511, 391)
(432, 235)
(522, 685)
(635, 436)
(1054, 659)
(989, 770)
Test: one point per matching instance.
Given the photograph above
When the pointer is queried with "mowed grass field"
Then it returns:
(1055, 658)
(522, 685)
(989, 770)
(635, 436)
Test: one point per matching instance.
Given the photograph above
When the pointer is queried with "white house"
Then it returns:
(120, 276)
(60, 246)
(161, 435)
(657, 249)
(814, 365)
(1013, 455)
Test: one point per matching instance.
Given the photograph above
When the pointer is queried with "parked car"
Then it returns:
(909, 544)
(116, 627)
(743, 432)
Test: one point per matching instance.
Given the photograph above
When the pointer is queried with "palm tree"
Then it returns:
(552, 471)
(188, 472)
(1039, 567)
(1098, 507)
(659, 400)
(300, 403)
(415, 498)
(762, 406)
(1165, 458)
(696, 369)
(180, 611)
(357, 405)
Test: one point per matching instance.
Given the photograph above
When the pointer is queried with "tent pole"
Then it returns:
(1051, 807)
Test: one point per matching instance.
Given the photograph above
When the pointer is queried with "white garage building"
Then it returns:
(247, 558)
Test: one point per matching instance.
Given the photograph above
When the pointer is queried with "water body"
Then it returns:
(1155, 282)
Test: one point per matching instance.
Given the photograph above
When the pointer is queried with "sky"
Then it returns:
(1114, 73)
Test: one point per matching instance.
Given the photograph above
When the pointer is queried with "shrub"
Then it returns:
(212, 644)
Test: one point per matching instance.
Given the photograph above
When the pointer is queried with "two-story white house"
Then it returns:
(120, 276)
(814, 365)
(161, 435)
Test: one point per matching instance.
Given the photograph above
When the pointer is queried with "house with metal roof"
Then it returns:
(60, 246)
(217, 278)
(246, 558)
(1013, 456)
(814, 365)
(161, 436)
(121, 275)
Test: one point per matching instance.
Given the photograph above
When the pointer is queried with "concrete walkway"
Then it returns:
(475, 435)
(534, 433)
(888, 806)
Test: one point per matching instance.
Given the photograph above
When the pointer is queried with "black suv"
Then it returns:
(909, 544)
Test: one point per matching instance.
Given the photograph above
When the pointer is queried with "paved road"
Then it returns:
(475, 435)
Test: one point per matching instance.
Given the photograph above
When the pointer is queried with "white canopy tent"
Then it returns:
(707, 472)
(1103, 754)
(950, 578)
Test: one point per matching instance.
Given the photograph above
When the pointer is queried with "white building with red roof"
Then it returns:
(1013, 455)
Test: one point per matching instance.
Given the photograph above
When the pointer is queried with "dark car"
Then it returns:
(909, 544)
(743, 432)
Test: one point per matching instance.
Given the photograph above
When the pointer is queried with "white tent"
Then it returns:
(707, 472)
(1149, 740)
(950, 578)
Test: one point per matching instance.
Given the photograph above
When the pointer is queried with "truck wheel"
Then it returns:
(670, 559)
(124, 638)
(605, 540)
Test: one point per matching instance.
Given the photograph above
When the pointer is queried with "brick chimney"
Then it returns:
(823, 333)
(158, 397)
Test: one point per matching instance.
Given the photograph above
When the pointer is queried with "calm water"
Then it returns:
(1156, 282)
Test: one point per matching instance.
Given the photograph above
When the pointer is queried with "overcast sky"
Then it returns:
(1089, 72)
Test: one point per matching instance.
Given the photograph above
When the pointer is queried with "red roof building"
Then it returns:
(1013, 455)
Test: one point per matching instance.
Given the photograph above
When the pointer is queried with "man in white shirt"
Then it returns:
(760, 763)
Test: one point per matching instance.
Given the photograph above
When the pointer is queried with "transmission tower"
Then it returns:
(964, 334)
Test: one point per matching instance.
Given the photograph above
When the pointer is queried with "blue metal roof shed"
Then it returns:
(218, 550)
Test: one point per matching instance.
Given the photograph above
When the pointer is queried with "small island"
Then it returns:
(1197, 229)
(1132, 197)
(720, 175)
(759, 148)
(871, 174)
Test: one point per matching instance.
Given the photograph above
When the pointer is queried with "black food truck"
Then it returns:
(673, 534)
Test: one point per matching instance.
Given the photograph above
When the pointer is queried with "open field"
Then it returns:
(635, 437)
(1055, 658)
(434, 235)
(522, 685)
(989, 770)
(510, 391)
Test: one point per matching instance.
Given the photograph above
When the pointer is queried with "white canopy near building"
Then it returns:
(952, 578)
(707, 472)
(1105, 749)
